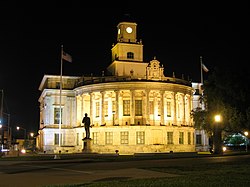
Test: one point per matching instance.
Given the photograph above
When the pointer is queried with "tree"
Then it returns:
(225, 93)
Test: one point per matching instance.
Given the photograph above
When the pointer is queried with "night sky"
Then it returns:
(31, 35)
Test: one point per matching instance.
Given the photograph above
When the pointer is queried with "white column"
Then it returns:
(132, 105)
(162, 107)
(117, 107)
(91, 107)
(155, 108)
(147, 106)
(184, 110)
(102, 108)
(175, 110)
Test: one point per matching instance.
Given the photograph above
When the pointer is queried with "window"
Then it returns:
(56, 139)
(126, 107)
(106, 108)
(151, 107)
(97, 108)
(170, 138)
(138, 107)
(95, 138)
(197, 92)
(58, 85)
(140, 137)
(124, 137)
(198, 139)
(181, 137)
(130, 55)
(189, 138)
(168, 109)
(57, 115)
(109, 138)
(77, 138)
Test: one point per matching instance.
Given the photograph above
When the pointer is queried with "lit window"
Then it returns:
(124, 137)
(140, 137)
(109, 138)
(95, 138)
(126, 107)
(189, 138)
(130, 55)
(77, 138)
(181, 137)
(138, 107)
(57, 115)
(170, 138)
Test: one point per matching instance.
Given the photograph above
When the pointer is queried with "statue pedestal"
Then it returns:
(87, 145)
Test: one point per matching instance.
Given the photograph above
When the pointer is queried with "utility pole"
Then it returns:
(1, 118)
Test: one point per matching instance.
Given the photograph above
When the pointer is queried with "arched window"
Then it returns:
(130, 55)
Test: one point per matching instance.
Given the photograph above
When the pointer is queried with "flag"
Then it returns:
(204, 68)
(66, 56)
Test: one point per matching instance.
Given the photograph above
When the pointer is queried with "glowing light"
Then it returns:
(217, 118)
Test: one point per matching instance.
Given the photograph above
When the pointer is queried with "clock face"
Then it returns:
(129, 29)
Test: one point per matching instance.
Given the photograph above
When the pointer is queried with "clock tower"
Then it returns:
(126, 32)
(127, 53)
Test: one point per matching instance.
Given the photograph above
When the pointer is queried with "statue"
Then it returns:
(86, 122)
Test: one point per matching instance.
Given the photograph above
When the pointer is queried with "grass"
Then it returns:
(213, 175)
(226, 176)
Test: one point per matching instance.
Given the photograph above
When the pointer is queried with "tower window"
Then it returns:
(130, 55)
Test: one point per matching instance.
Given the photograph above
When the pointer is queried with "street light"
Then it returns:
(217, 118)
(246, 134)
(32, 134)
(217, 135)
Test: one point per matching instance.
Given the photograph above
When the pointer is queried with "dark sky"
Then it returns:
(31, 35)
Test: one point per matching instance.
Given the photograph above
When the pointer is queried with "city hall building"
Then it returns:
(134, 108)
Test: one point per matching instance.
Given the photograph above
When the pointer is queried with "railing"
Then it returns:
(96, 80)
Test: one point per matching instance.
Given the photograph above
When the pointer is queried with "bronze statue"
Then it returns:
(86, 122)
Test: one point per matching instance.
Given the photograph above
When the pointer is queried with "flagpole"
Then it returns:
(60, 111)
(201, 70)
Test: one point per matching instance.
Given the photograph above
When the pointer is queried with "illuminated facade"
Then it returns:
(201, 136)
(135, 108)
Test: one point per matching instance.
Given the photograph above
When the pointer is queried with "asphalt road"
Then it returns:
(42, 173)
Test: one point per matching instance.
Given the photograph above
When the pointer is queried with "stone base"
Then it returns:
(87, 145)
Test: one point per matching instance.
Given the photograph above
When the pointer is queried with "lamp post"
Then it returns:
(246, 134)
(217, 135)
(9, 133)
